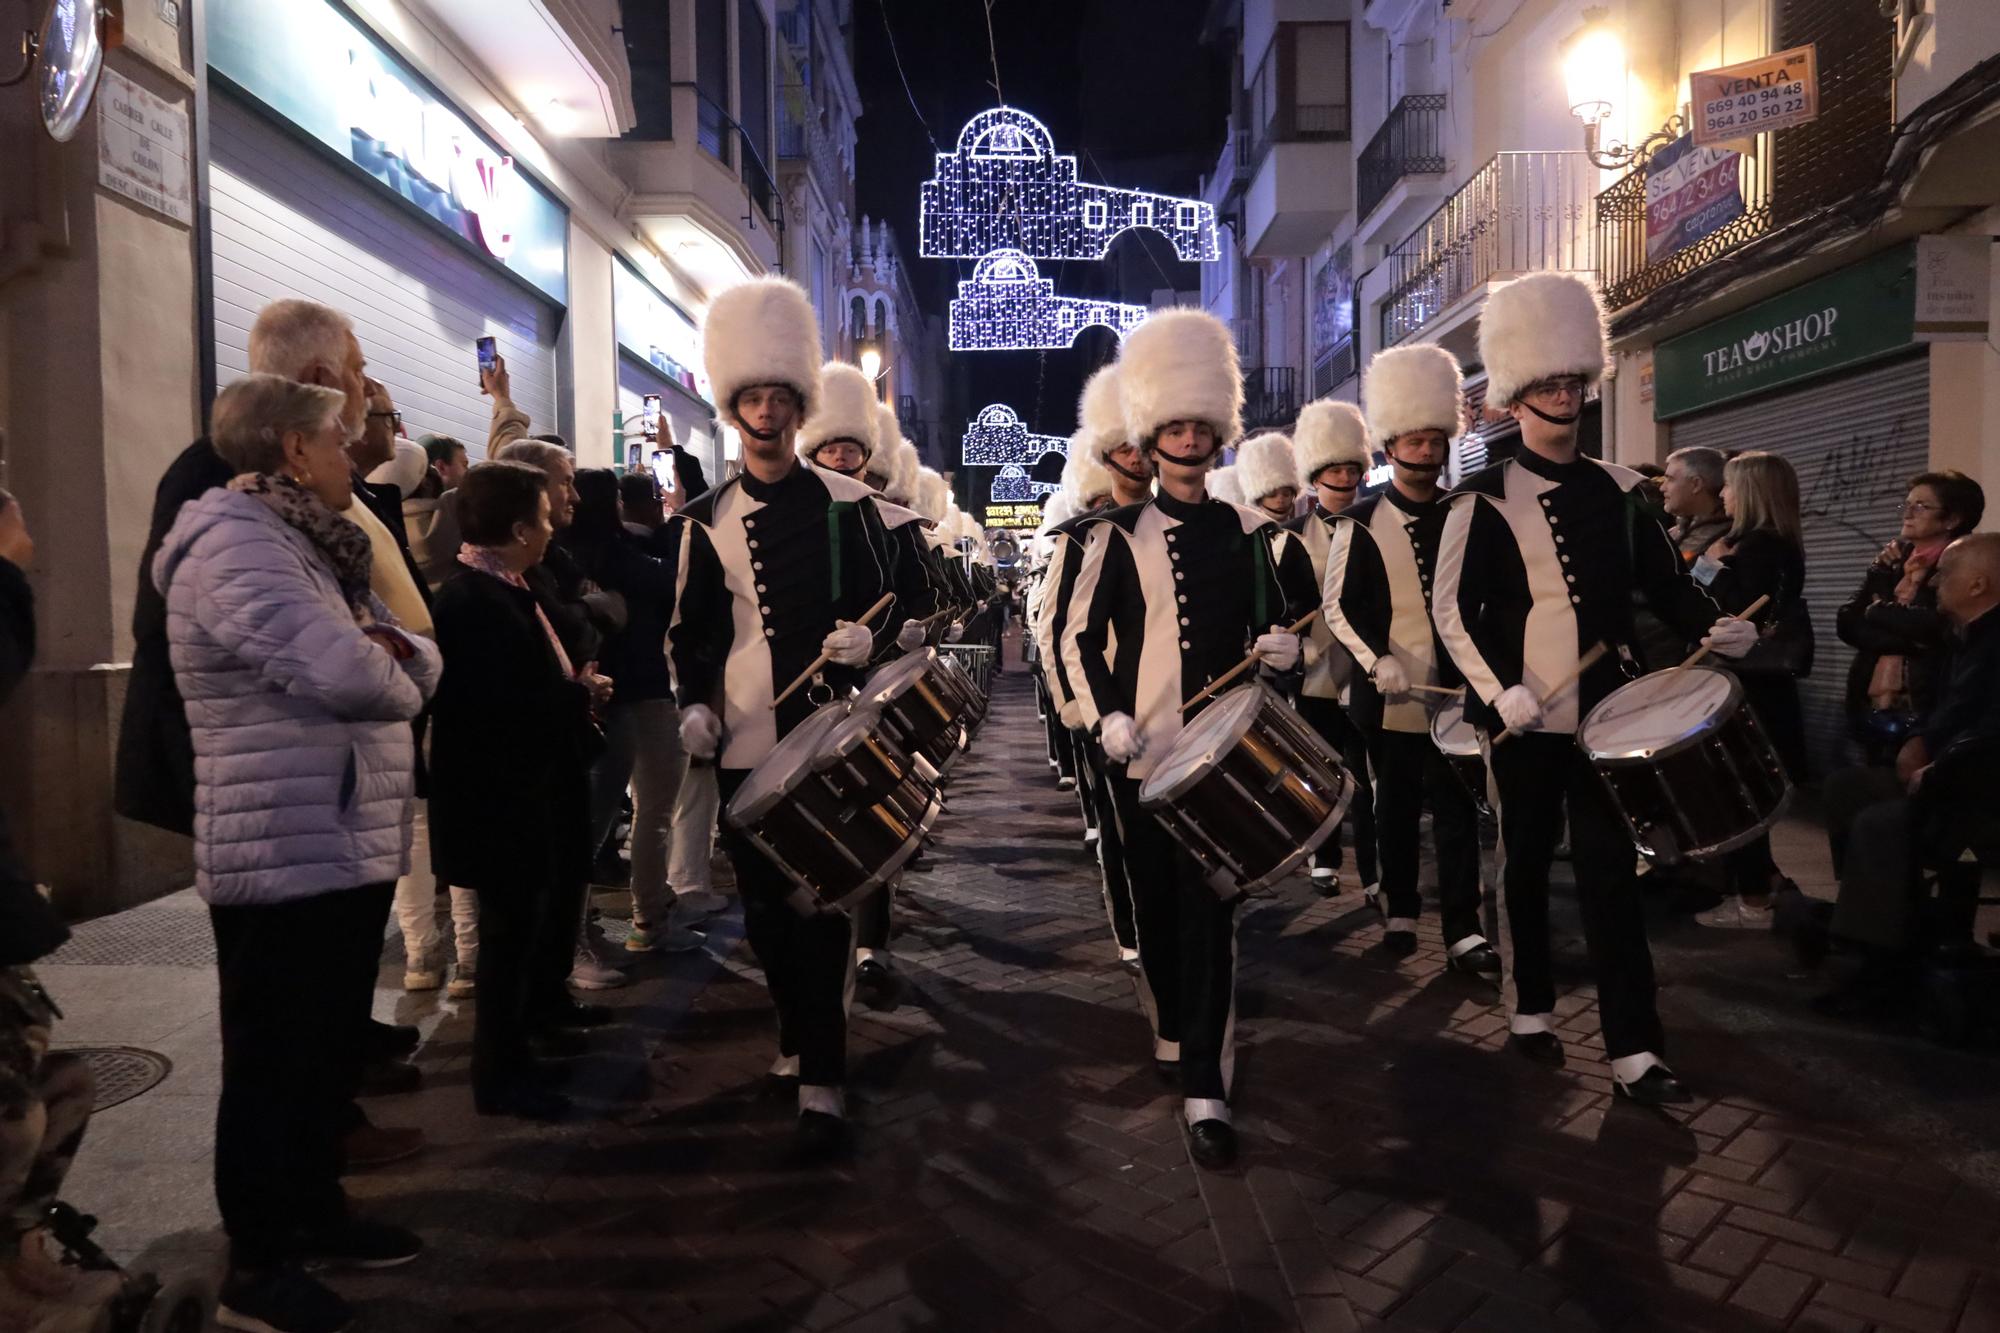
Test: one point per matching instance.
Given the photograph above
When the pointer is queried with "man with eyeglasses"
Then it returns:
(1538, 561)
(378, 511)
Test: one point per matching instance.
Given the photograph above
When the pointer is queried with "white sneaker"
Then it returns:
(671, 938)
(423, 974)
(701, 902)
(1735, 914)
(592, 972)
(1090, 837)
(464, 983)
(1065, 784)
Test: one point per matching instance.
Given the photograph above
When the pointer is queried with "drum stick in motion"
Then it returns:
(1458, 693)
(1298, 627)
(1745, 614)
(1583, 664)
(824, 658)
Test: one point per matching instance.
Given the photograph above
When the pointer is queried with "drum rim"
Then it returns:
(1735, 698)
(1148, 796)
(763, 803)
(1436, 716)
(874, 693)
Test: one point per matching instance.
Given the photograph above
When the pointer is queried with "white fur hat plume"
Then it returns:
(1100, 415)
(1084, 478)
(888, 434)
(1329, 432)
(1180, 365)
(1056, 509)
(902, 474)
(1541, 325)
(1265, 463)
(1414, 388)
(932, 495)
(846, 411)
(761, 332)
(1224, 484)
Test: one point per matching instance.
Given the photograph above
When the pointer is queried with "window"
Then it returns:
(1094, 214)
(711, 76)
(647, 52)
(753, 85)
(1142, 213)
(1300, 90)
(1186, 217)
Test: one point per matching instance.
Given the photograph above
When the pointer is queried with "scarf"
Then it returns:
(1889, 684)
(341, 540)
(487, 561)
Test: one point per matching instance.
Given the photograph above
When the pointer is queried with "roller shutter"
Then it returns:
(689, 423)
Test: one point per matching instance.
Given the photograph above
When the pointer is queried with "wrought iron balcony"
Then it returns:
(1519, 213)
(1333, 366)
(1270, 396)
(723, 138)
(1409, 143)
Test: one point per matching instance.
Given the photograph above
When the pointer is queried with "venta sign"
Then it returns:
(1854, 315)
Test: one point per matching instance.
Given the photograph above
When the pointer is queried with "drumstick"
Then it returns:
(1437, 689)
(1299, 627)
(824, 658)
(1744, 614)
(1583, 664)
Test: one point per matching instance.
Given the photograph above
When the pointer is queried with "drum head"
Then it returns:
(846, 733)
(1450, 732)
(785, 765)
(1657, 712)
(1194, 752)
(894, 678)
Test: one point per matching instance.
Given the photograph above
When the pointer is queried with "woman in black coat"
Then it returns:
(1762, 555)
(511, 748)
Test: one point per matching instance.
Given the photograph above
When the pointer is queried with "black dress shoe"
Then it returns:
(1169, 1071)
(779, 1088)
(1544, 1048)
(386, 1078)
(1480, 961)
(523, 1101)
(877, 984)
(1399, 943)
(388, 1040)
(1213, 1143)
(1656, 1087)
(819, 1137)
(576, 1014)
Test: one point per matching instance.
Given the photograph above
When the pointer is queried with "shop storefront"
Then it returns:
(1830, 376)
(659, 354)
(338, 173)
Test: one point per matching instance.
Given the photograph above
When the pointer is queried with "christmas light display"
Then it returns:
(996, 438)
(1013, 485)
(1008, 306)
(1005, 187)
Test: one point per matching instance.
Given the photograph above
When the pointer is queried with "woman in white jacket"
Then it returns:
(300, 689)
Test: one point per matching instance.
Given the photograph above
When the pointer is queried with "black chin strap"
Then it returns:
(1569, 420)
(1420, 467)
(765, 435)
(1142, 479)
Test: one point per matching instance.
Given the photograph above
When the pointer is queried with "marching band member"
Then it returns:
(1269, 470)
(1054, 511)
(775, 566)
(1331, 441)
(1170, 595)
(1377, 591)
(1538, 561)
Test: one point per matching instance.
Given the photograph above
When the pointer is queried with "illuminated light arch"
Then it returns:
(1013, 485)
(997, 438)
(1008, 306)
(1005, 187)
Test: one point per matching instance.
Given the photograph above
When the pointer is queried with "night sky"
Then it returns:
(1125, 85)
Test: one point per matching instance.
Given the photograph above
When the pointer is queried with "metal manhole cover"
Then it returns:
(122, 1072)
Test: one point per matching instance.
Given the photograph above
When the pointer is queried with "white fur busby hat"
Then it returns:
(1100, 415)
(1541, 325)
(1224, 484)
(932, 495)
(1084, 477)
(761, 332)
(888, 434)
(902, 473)
(1180, 365)
(1266, 463)
(1414, 388)
(1330, 432)
(1056, 509)
(846, 411)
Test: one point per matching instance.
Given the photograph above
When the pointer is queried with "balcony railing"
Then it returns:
(803, 140)
(1335, 364)
(1270, 396)
(1519, 213)
(723, 138)
(1410, 143)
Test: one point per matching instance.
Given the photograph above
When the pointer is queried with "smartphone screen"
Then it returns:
(650, 419)
(663, 470)
(487, 355)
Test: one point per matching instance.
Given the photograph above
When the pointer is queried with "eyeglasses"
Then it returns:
(395, 418)
(1917, 507)
(1562, 386)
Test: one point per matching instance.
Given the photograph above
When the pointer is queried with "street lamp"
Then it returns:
(1594, 77)
(871, 362)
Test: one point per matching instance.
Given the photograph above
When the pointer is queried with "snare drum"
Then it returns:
(839, 806)
(1687, 763)
(922, 706)
(1249, 789)
(1458, 741)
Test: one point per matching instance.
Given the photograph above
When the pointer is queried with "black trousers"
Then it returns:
(1187, 950)
(297, 980)
(1094, 776)
(1539, 776)
(871, 921)
(808, 961)
(1330, 720)
(1410, 772)
(1871, 830)
(516, 925)
(1088, 778)
(1062, 747)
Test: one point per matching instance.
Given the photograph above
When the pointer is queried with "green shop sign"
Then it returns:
(1860, 313)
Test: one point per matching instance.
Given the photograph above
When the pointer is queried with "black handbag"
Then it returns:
(1785, 648)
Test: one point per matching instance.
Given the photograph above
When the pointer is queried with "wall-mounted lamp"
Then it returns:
(1594, 77)
(871, 359)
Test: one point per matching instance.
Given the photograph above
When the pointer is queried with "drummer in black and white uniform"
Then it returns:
(1377, 590)
(1092, 487)
(776, 566)
(1539, 560)
(1331, 443)
(1174, 593)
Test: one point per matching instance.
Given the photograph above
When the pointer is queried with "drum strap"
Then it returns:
(835, 514)
(1261, 588)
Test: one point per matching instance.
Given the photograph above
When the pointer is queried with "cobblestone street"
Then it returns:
(1021, 1167)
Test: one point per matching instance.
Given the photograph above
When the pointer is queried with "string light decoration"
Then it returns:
(1008, 306)
(1005, 187)
(1013, 485)
(996, 438)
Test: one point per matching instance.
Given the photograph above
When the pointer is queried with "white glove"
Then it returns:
(701, 731)
(1278, 650)
(850, 645)
(911, 636)
(1731, 637)
(1121, 738)
(1518, 707)
(1389, 676)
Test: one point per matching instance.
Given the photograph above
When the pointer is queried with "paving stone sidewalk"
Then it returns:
(1021, 1167)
